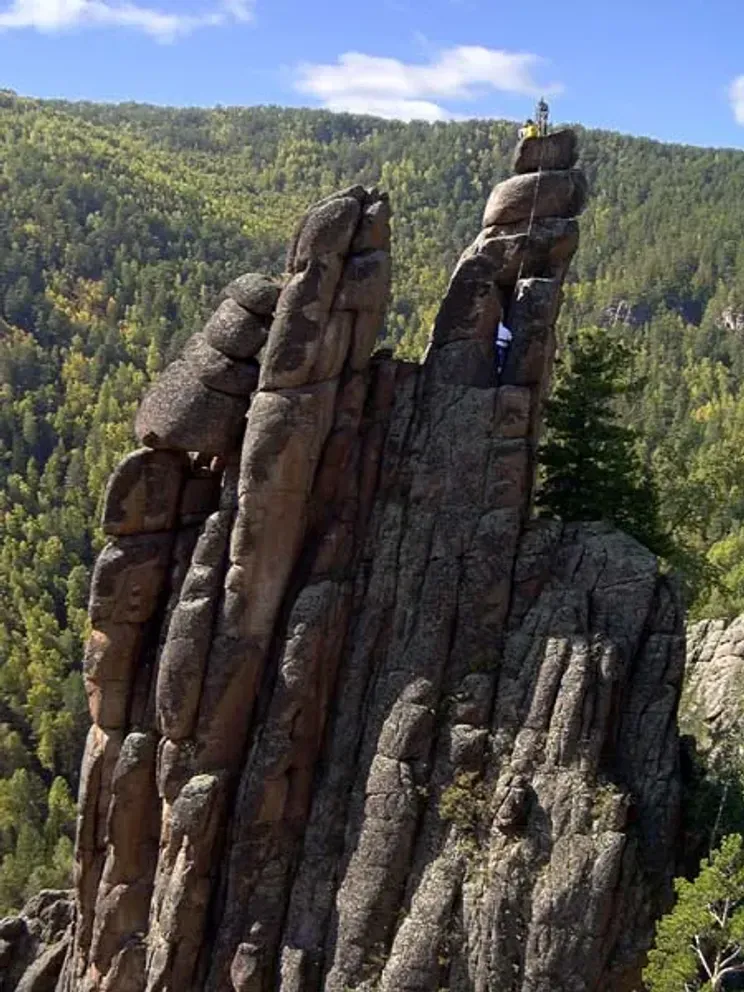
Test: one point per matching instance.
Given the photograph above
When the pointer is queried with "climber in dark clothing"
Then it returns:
(542, 113)
(503, 343)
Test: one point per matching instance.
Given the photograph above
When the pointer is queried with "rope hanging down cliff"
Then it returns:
(542, 117)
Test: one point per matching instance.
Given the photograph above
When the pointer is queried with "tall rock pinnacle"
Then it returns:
(357, 722)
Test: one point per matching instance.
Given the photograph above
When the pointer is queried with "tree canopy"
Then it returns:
(590, 463)
(700, 943)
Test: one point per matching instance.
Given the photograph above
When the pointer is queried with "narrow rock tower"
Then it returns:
(358, 723)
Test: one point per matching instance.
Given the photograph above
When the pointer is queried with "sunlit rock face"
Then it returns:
(358, 722)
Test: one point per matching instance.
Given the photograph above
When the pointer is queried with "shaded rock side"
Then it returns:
(358, 722)
(34, 945)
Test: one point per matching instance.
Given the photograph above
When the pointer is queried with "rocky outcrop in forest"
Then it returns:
(358, 722)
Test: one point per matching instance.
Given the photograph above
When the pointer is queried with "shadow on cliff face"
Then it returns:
(712, 805)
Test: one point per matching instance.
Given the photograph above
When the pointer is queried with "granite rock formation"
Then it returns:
(358, 723)
(712, 709)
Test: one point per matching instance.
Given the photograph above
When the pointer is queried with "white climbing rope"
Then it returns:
(534, 206)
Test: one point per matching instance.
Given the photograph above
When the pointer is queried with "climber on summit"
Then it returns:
(528, 130)
(503, 341)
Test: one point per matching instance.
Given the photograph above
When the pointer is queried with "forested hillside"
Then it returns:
(118, 225)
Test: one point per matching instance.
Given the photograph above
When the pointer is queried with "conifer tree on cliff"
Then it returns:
(590, 465)
(699, 945)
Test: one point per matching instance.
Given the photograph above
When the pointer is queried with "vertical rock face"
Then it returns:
(711, 704)
(358, 723)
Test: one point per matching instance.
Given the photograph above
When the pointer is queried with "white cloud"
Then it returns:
(736, 96)
(59, 15)
(390, 88)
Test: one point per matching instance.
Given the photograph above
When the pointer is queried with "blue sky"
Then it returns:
(669, 70)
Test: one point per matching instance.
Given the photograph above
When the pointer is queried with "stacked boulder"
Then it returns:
(513, 272)
(200, 402)
(359, 724)
(158, 505)
(203, 541)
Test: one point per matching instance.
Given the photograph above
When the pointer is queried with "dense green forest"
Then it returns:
(118, 226)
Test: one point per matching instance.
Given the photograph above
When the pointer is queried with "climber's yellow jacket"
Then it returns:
(528, 131)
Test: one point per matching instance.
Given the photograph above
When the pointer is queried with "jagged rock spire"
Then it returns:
(358, 723)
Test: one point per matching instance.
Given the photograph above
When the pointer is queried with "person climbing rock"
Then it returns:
(503, 343)
(528, 130)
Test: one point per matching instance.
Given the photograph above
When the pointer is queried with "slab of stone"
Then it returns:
(99, 759)
(175, 766)
(235, 331)
(219, 371)
(472, 306)
(513, 411)
(323, 216)
(133, 819)
(557, 150)
(296, 341)
(312, 290)
(128, 577)
(373, 231)
(365, 282)
(548, 194)
(43, 973)
(467, 362)
(328, 229)
(199, 498)
(254, 291)
(182, 665)
(143, 492)
(368, 327)
(303, 351)
(121, 912)
(181, 413)
(292, 349)
(517, 251)
(286, 433)
(111, 653)
(531, 319)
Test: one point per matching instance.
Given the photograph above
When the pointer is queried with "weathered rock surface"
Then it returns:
(33, 946)
(219, 371)
(557, 150)
(712, 703)
(181, 413)
(254, 292)
(547, 194)
(200, 401)
(235, 331)
(359, 724)
(142, 494)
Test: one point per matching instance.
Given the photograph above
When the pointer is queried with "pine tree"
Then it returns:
(590, 466)
(699, 945)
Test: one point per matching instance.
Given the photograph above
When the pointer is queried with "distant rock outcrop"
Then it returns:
(713, 700)
(33, 945)
(359, 723)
